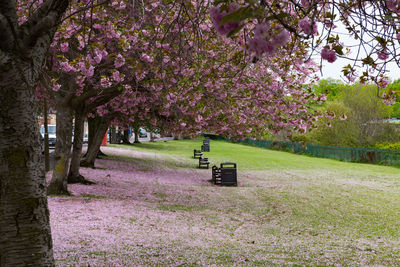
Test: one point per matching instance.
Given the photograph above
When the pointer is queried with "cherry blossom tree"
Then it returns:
(191, 81)
(324, 26)
(196, 80)
(90, 51)
(24, 217)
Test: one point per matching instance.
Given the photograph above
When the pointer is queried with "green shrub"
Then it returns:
(387, 145)
(301, 138)
(336, 132)
(280, 145)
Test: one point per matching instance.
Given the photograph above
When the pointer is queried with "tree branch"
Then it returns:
(43, 21)
(103, 99)
(7, 9)
(7, 36)
(93, 93)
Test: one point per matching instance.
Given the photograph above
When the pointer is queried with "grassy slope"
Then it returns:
(325, 200)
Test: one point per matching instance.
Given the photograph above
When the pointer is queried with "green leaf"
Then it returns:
(217, 2)
(278, 16)
(233, 32)
(381, 41)
(368, 61)
(237, 16)
(338, 49)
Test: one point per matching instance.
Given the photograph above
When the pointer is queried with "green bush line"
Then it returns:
(351, 154)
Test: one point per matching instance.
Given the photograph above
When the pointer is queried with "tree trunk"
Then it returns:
(125, 138)
(137, 136)
(93, 124)
(92, 152)
(62, 154)
(25, 238)
(74, 175)
(113, 137)
(46, 138)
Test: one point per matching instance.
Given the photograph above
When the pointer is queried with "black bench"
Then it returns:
(205, 148)
(203, 162)
(216, 175)
(197, 153)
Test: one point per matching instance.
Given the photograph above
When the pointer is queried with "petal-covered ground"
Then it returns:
(148, 208)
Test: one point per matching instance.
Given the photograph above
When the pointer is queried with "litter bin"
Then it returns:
(205, 148)
(228, 173)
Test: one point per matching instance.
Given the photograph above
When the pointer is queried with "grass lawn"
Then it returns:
(151, 206)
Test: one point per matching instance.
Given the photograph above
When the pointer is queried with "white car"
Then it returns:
(52, 134)
(85, 139)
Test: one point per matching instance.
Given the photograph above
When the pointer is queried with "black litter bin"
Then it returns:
(228, 173)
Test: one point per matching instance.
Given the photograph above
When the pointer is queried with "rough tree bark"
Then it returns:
(113, 137)
(74, 175)
(93, 150)
(125, 138)
(92, 128)
(25, 238)
(46, 138)
(58, 183)
(136, 135)
(62, 153)
(82, 107)
(93, 124)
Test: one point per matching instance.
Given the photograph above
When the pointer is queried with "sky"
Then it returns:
(333, 70)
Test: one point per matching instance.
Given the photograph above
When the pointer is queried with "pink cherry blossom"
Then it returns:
(383, 55)
(281, 38)
(305, 3)
(64, 47)
(261, 30)
(307, 26)
(329, 55)
(119, 61)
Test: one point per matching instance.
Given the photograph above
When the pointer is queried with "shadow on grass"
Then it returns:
(173, 145)
(151, 163)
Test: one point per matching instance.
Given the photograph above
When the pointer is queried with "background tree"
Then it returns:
(357, 117)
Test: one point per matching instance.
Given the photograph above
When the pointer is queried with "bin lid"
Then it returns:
(228, 163)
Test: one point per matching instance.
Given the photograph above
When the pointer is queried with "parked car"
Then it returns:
(85, 139)
(142, 133)
(52, 134)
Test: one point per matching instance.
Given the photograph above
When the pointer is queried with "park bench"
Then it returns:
(205, 148)
(197, 153)
(225, 175)
(203, 162)
(216, 175)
